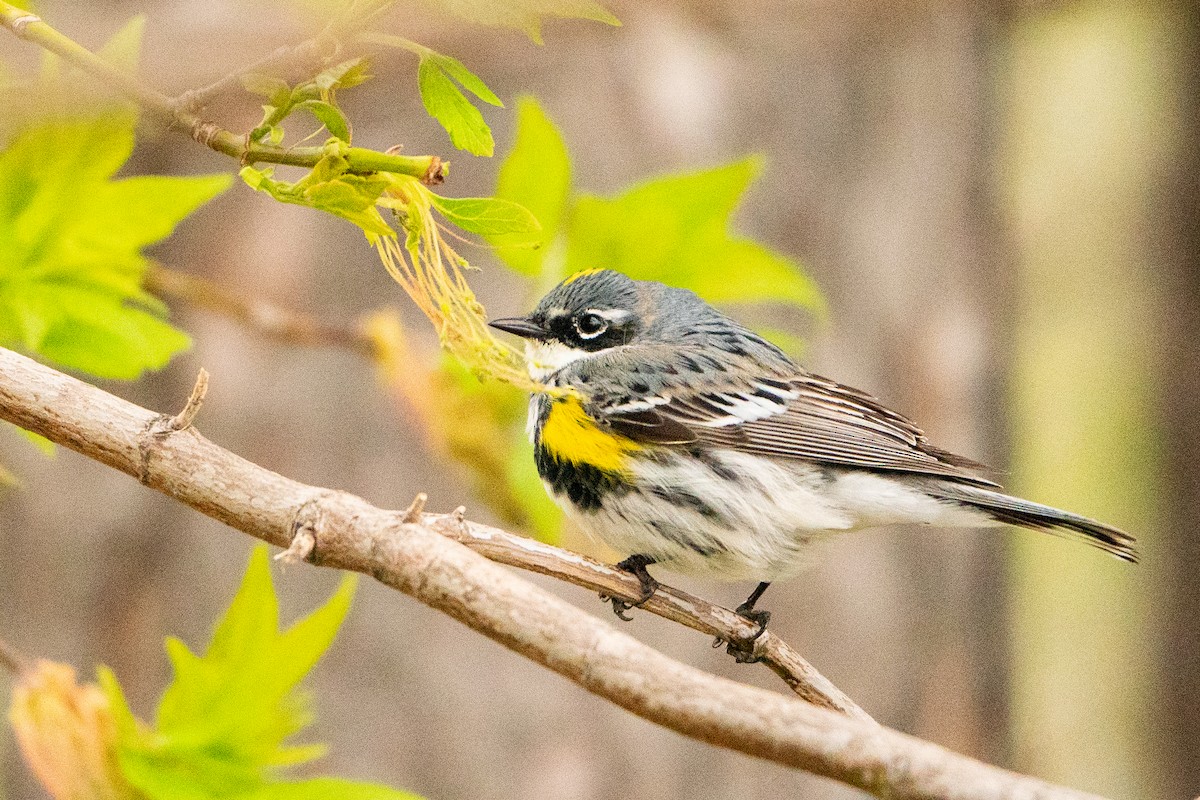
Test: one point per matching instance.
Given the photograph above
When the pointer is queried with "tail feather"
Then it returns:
(1027, 514)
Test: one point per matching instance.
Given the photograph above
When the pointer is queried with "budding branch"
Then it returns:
(178, 114)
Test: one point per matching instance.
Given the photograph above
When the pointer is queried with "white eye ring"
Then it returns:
(590, 324)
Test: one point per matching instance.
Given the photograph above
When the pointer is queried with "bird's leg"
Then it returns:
(743, 651)
(746, 609)
(636, 564)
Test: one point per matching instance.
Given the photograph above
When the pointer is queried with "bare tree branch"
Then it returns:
(420, 560)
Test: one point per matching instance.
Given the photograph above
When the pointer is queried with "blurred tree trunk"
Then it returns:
(1179, 536)
(1091, 133)
(918, 296)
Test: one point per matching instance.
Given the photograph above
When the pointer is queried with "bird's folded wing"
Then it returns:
(800, 417)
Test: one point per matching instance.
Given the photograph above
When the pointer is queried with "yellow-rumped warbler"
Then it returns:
(689, 441)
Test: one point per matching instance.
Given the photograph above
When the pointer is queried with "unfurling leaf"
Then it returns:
(330, 116)
(67, 734)
(536, 174)
(315, 96)
(329, 188)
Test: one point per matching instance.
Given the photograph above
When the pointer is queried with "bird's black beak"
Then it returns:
(521, 326)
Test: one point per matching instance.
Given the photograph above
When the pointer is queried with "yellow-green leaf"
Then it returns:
(526, 15)
(675, 229)
(71, 237)
(536, 173)
(487, 215)
(445, 102)
(226, 717)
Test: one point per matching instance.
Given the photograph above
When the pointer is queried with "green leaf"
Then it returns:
(224, 720)
(487, 216)
(675, 230)
(445, 102)
(40, 442)
(536, 173)
(330, 116)
(469, 80)
(72, 270)
(345, 75)
(123, 49)
(328, 789)
(526, 15)
(351, 197)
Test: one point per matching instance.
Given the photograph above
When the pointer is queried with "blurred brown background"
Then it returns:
(999, 202)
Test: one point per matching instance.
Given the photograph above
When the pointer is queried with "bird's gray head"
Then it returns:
(597, 310)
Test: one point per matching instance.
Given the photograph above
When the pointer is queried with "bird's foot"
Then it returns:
(635, 564)
(743, 649)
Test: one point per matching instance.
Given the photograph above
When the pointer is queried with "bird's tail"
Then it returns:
(1015, 511)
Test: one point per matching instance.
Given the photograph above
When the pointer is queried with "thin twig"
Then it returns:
(426, 564)
(271, 320)
(667, 602)
(31, 28)
(303, 57)
(12, 659)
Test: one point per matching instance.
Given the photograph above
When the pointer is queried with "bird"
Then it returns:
(671, 432)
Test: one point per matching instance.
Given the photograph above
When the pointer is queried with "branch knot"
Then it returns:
(21, 24)
(306, 525)
(162, 426)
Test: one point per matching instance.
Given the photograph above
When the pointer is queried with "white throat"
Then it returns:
(543, 359)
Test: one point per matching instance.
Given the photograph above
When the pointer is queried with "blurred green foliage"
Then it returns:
(222, 725)
(525, 15)
(71, 267)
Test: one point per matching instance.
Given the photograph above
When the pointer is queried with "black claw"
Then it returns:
(761, 617)
(637, 565)
(743, 651)
(620, 607)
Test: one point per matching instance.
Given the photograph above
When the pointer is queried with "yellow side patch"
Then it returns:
(571, 279)
(569, 434)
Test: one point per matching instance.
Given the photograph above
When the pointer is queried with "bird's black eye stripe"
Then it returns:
(589, 324)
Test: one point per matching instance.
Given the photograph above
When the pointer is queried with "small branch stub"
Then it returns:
(412, 514)
(304, 541)
(191, 408)
(436, 173)
(304, 533)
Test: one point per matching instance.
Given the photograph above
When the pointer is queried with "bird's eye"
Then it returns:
(590, 325)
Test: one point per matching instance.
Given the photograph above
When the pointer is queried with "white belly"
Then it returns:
(760, 528)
